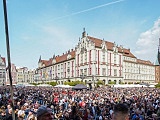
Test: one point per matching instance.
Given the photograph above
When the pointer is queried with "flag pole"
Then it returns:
(8, 56)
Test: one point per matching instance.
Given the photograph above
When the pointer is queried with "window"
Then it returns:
(85, 71)
(61, 74)
(109, 57)
(81, 58)
(115, 72)
(85, 56)
(104, 71)
(114, 58)
(103, 56)
(58, 67)
(81, 72)
(61, 66)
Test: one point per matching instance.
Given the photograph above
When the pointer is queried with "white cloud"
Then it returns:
(56, 40)
(57, 35)
(147, 43)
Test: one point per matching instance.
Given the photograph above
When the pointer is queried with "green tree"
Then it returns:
(100, 82)
(52, 83)
(158, 85)
(73, 83)
(112, 82)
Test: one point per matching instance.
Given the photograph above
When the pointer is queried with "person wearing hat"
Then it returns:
(44, 113)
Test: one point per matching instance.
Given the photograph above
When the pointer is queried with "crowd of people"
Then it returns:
(103, 103)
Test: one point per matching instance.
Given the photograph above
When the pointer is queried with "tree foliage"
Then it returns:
(111, 82)
(73, 83)
(52, 83)
(100, 82)
(158, 85)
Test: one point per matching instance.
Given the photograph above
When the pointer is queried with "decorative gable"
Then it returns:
(39, 64)
(54, 61)
(115, 48)
(2, 61)
(69, 56)
(104, 47)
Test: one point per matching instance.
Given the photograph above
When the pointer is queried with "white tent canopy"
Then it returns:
(63, 86)
(44, 85)
(29, 85)
(129, 85)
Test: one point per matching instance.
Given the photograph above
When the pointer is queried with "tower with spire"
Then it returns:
(157, 65)
(159, 52)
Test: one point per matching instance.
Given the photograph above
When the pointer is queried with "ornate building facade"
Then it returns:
(95, 59)
(2, 71)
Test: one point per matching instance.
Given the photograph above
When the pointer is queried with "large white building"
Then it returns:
(95, 59)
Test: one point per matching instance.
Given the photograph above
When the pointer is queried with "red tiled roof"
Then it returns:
(4, 60)
(144, 62)
(64, 56)
(110, 46)
(97, 42)
(45, 62)
(58, 58)
(126, 52)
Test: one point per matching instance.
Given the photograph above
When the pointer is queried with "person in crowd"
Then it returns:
(9, 114)
(74, 115)
(137, 115)
(31, 115)
(44, 113)
(2, 114)
(120, 112)
(21, 113)
(67, 104)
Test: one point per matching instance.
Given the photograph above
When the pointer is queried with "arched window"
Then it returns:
(109, 81)
(104, 81)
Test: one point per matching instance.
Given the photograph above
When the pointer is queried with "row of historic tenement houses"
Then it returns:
(19, 75)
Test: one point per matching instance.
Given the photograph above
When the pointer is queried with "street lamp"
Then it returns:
(82, 76)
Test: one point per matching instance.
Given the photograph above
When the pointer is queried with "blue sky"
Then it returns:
(48, 27)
